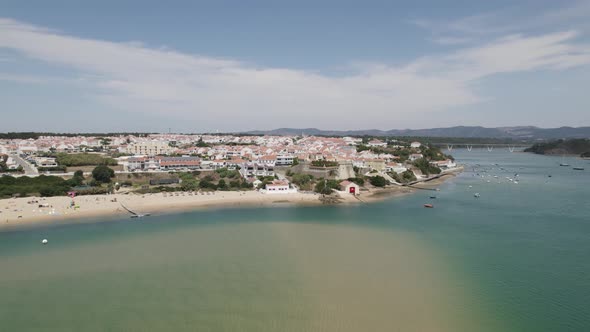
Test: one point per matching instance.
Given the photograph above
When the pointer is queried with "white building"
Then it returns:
(149, 148)
(27, 147)
(350, 187)
(46, 162)
(415, 145)
(269, 160)
(352, 140)
(445, 164)
(395, 167)
(254, 169)
(416, 156)
(377, 143)
(11, 163)
(284, 160)
(278, 187)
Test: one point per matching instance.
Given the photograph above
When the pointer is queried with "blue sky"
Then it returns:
(201, 66)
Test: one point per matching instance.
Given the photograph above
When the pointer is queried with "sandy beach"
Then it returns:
(26, 211)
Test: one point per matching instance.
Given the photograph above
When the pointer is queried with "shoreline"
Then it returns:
(24, 212)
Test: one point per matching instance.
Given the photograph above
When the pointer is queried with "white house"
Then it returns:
(279, 187)
(350, 187)
(416, 156)
(415, 145)
(11, 163)
(377, 143)
(149, 148)
(284, 160)
(445, 164)
(27, 147)
(269, 160)
(253, 169)
(395, 167)
(46, 162)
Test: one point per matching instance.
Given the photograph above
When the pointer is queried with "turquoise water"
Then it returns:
(515, 259)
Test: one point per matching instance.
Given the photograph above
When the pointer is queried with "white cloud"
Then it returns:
(230, 94)
(561, 15)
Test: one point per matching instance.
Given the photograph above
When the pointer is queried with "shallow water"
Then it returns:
(515, 259)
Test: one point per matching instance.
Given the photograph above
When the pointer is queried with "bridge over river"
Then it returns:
(490, 147)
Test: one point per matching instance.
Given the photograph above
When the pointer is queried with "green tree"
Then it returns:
(222, 172)
(326, 187)
(378, 181)
(105, 142)
(359, 181)
(189, 185)
(207, 185)
(426, 167)
(102, 174)
(202, 144)
(301, 179)
(77, 179)
(247, 185)
(221, 185)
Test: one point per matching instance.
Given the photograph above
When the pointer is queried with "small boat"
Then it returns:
(140, 215)
(578, 168)
(44, 241)
(476, 195)
(563, 163)
(549, 175)
(432, 197)
(430, 206)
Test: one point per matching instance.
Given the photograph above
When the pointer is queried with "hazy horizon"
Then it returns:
(105, 67)
(171, 131)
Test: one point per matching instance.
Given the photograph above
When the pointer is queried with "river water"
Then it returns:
(514, 259)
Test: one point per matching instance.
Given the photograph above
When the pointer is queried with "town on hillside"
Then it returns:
(148, 163)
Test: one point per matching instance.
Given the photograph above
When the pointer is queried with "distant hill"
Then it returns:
(572, 146)
(526, 133)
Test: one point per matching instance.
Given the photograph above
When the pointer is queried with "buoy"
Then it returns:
(44, 241)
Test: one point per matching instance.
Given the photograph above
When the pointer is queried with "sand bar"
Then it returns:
(27, 211)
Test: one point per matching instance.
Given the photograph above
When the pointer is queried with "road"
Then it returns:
(27, 167)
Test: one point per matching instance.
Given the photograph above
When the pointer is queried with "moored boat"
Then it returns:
(430, 206)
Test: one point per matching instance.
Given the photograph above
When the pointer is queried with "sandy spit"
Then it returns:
(29, 211)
